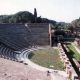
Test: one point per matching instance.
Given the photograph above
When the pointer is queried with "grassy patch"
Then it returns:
(73, 52)
(47, 58)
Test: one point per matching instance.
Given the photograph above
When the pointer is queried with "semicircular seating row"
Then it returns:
(8, 53)
(20, 56)
(24, 54)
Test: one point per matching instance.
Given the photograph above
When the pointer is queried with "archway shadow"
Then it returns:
(31, 55)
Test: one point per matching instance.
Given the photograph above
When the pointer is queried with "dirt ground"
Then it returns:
(11, 70)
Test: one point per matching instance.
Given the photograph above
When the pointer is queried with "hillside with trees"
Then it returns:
(20, 17)
(75, 23)
(24, 17)
(27, 17)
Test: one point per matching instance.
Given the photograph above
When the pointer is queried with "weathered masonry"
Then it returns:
(20, 36)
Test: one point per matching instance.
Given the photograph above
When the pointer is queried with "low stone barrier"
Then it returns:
(67, 64)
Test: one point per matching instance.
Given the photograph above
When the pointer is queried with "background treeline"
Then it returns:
(75, 23)
(23, 17)
(27, 17)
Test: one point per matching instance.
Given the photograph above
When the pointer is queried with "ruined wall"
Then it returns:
(20, 36)
(40, 33)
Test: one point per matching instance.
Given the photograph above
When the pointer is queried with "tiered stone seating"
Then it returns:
(20, 36)
(6, 52)
(39, 33)
(23, 56)
(7, 42)
(16, 36)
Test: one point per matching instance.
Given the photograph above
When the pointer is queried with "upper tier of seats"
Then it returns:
(21, 36)
(17, 36)
(6, 52)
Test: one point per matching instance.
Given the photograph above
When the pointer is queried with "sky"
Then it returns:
(59, 10)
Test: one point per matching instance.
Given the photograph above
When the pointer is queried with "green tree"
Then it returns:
(35, 14)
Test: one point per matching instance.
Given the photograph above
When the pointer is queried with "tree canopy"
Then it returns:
(24, 17)
(27, 17)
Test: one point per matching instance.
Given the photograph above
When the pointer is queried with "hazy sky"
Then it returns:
(59, 10)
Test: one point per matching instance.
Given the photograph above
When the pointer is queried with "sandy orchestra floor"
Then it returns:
(10, 70)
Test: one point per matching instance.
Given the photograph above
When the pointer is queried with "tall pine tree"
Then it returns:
(35, 15)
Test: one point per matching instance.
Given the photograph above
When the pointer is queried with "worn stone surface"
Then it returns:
(10, 70)
(20, 36)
